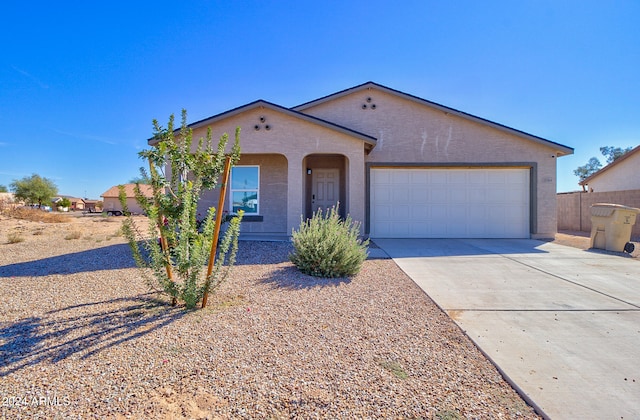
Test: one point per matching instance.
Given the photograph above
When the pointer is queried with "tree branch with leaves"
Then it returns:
(593, 165)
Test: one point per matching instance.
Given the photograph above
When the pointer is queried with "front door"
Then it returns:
(325, 191)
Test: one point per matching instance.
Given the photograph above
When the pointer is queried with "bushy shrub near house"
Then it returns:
(328, 246)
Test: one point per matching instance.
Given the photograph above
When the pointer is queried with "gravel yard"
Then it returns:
(81, 336)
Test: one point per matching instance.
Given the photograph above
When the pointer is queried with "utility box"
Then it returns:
(611, 226)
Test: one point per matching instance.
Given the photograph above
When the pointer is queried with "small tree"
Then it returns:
(34, 189)
(65, 202)
(585, 171)
(3, 188)
(178, 259)
(594, 165)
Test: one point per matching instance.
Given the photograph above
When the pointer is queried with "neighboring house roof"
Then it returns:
(368, 140)
(69, 197)
(114, 191)
(611, 165)
(72, 198)
(561, 149)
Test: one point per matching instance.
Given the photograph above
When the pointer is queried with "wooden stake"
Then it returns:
(163, 241)
(216, 230)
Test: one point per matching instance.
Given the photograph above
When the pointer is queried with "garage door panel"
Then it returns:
(478, 195)
(458, 196)
(457, 177)
(513, 196)
(478, 178)
(449, 203)
(495, 195)
(420, 213)
(383, 212)
(401, 178)
(438, 195)
(419, 194)
(401, 195)
(419, 177)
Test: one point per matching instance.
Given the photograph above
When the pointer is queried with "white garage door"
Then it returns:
(449, 203)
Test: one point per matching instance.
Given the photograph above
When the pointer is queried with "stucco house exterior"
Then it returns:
(622, 174)
(403, 166)
(76, 202)
(111, 200)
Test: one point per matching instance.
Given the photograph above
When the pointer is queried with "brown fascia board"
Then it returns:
(611, 165)
(560, 149)
(368, 140)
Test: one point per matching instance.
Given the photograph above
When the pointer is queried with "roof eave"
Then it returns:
(368, 140)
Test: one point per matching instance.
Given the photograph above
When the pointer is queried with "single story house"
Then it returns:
(7, 201)
(92, 205)
(76, 203)
(111, 198)
(404, 166)
(620, 175)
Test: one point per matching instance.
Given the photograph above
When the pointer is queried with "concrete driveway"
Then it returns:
(562, 324)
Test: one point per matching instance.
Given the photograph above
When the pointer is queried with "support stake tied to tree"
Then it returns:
(216, 229)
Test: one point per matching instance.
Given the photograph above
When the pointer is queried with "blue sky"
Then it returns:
(81, 81)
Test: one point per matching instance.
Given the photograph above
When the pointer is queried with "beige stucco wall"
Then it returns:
(625, 175)
(408, 132)
(294, 139)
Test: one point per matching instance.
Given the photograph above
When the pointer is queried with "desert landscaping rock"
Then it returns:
(81, 336)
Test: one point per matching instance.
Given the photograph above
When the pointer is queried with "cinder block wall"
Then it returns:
(574, 208)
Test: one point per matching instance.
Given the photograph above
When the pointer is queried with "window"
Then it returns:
(245, 188)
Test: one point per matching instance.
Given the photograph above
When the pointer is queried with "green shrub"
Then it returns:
(327, 246)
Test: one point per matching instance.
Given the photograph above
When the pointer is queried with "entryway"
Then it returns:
(325, 184)
(325, 189)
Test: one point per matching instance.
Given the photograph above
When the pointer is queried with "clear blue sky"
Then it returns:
(81, 81)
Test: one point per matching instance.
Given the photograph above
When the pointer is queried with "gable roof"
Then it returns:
(611, 165)
(114, 191)
(369, 141)
(560, 149)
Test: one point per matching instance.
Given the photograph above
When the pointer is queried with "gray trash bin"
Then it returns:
(611, 226)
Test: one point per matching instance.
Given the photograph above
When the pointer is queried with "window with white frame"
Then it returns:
(245, 189)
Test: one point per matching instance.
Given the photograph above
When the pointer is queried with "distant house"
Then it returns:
(622, 174)
(111, 200)
(91, 205)
(76, 203)
(7, 200)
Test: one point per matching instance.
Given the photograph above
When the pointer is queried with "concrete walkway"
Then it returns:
(562, 324)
